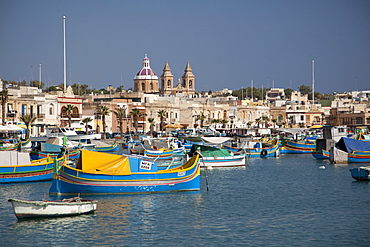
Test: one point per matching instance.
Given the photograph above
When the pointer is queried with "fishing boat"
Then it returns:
(71, 154)
(321, 155)
(255, 149)
(16, 167)
(104, 173)
(103, 147)
(298, 147)
(348, 150)
(217, 157)
(158, 153)
(66, 207)
(361, 173)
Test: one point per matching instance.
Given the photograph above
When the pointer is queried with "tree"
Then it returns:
(305, 90)
(86, 121)
(215, 121)
(274, 121)
(258, 121)
(27, 120)
(135, 113)
(103, 111)
(38, 84)
(162, 116)
(152, 123)
(201, 118)
(120, 113)
(265, 120)
(288, 92)
(3, 98)
(224, 122)
(68, 110)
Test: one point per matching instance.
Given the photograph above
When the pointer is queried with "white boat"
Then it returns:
(65, 207)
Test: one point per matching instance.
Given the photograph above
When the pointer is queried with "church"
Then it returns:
(147, 81)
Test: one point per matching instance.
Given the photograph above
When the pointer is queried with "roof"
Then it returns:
(146, 72)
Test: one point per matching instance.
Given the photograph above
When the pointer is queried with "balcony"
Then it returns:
(63, 115)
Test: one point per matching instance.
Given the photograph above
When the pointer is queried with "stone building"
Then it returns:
(146, 80)
(184, 87)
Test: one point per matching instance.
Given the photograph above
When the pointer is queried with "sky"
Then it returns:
(228, 43)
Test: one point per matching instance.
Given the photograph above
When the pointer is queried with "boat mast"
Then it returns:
(40, 76)
(64, 54)
(313, 82)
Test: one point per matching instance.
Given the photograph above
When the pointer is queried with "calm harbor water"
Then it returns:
(288, 201)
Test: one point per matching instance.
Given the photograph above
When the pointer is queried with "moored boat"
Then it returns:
(103, 173)
(348, 150)
(217, 157)
(255, 149)
(361, 173)
(67, 207)
(16, 167)
(107, 147)
(298, 147)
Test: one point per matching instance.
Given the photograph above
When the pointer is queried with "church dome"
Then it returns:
(146, 72)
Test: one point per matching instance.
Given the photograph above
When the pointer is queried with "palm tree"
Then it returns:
(215, 121)
(103, 111)
(201, 117)
(3, 99)
(135, 115)
(258, 121)
(68, 110)
(224, 122)
(265, 120)
(162, 116)
(274, 121)
(27, 120)
(86, 121)
(152, 123)
(120, 114)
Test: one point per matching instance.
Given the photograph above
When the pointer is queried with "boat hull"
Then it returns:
(32, 209)
(361, 173)
(293, 147)
(321, 155)
(227, 161)
(183, 178)
(111, 148)
(33, 172)
(359, 157)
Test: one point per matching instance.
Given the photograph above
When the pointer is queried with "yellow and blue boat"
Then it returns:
(16, 167)
(104, 173)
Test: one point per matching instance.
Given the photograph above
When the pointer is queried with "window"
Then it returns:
(151, 86)
(359, 120)
(169, 83)
(143, 86)
(302, 117)
(51, 111)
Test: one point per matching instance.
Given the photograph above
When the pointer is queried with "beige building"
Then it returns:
(184, 87)
(146, 80)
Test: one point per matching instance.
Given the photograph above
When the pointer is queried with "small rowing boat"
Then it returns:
(65, 207)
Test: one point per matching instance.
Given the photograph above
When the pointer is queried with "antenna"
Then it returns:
(64, 54)
(313, 82)
(252, 90)
(40, 75)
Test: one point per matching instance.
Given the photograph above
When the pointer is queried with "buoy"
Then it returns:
(322, 167)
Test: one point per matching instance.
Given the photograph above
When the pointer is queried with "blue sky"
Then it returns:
(228, 43)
